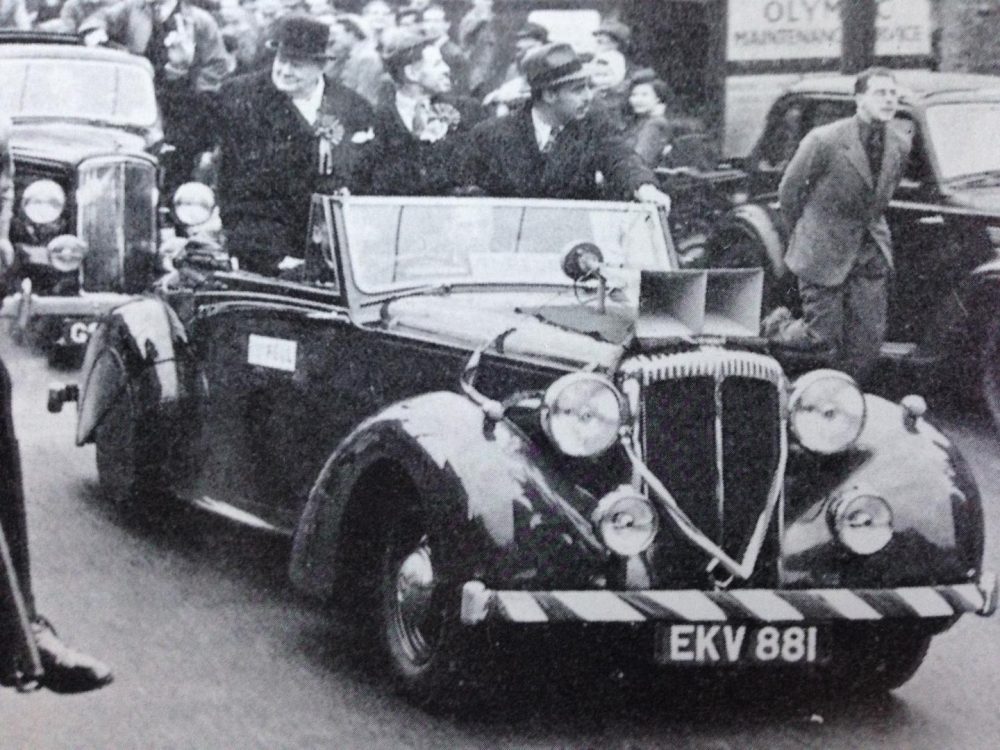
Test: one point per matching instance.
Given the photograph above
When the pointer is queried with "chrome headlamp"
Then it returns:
(582, 413)
(66, 252)
(626, 522)
(826, 411)
(43, 201)
(193, 203)
(862, 522)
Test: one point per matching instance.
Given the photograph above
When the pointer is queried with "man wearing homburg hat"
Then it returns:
(555, 146)
(288, 131)
(421, 129)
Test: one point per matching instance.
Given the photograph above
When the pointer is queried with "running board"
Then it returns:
(233, 513)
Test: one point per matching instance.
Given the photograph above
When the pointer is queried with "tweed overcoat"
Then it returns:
(830, 202)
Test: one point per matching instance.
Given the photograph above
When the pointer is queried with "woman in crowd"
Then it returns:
(649, 131)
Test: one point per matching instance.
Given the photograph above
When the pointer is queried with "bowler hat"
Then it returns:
(617, 31)
(300, 37)
(552, 65)
(533, 31)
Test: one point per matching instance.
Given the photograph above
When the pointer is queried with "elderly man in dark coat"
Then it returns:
(555, 146)
(833, 196)
(420, 129)
(288, 131)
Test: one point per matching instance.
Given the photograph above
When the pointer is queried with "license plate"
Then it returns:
(705, 644)
(77, 332)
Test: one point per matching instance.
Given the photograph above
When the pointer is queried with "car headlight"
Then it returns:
(582, 414)
(826, 411)
(193, 203)
(862, 523)
(626, 522)
(66, 252)
(43, 201)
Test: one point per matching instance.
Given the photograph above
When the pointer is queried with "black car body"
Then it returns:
(944, 316)
(456, 434)
(86, 128)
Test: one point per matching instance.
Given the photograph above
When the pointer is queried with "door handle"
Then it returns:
(935, 220)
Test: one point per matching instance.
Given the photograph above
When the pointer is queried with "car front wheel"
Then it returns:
(421, 634)
(870, 662)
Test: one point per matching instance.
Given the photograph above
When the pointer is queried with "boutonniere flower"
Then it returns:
(330, 129)
(447, 113)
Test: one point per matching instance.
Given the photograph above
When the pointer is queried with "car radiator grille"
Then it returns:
(709, 425)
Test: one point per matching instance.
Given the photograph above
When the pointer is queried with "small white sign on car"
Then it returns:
(278, 354)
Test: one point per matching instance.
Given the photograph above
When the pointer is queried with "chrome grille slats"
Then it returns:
(709, 427)
(706, 362)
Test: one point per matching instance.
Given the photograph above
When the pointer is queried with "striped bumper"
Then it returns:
(480, 604)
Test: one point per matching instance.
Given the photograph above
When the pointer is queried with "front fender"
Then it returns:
(497, 511)
(765, 225)
(936, 507)
(134, 346)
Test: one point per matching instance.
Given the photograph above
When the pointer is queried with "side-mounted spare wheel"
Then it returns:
(738, 244)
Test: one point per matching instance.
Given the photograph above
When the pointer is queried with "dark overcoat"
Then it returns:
(269, 164)
(504, 160)
(402, 164)
(830, 202)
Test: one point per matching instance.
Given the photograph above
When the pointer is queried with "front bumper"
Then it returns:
(25, 306)
(480, 604)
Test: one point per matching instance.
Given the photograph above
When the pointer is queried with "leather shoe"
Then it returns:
(66, 670)
(774, 321)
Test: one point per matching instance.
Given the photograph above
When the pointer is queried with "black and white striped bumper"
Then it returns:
(480, 604)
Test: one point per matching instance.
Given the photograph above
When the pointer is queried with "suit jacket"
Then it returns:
(831, 204)
(269, 165)
(504, 160)
(130, 22)
(401, 164)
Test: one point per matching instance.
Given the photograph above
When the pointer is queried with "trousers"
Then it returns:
(851, 319)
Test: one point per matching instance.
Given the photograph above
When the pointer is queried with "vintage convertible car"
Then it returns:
(86, 141)
(478, 414)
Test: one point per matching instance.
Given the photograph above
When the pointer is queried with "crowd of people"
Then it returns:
(371, 96)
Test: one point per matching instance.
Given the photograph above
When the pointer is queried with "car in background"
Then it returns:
(86, 140)
(476, 416)
(944, 316)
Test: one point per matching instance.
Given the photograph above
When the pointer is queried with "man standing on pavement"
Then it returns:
(420, 130)
(555, 146)
(833, 197)
(288, 131)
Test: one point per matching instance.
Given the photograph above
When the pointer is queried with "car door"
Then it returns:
(279, 386)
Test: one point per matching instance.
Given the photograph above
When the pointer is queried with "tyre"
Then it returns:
(127, 474)
(422, 638)
(869, 662)
(739, 246)
(990, 372)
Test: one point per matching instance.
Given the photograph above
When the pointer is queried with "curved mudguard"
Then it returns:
(134, 346)
(935, 503)
(493, 506)
(766, 224)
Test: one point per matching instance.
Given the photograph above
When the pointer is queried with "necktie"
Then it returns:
(874, 148)
(420, 117)
(551, 142)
